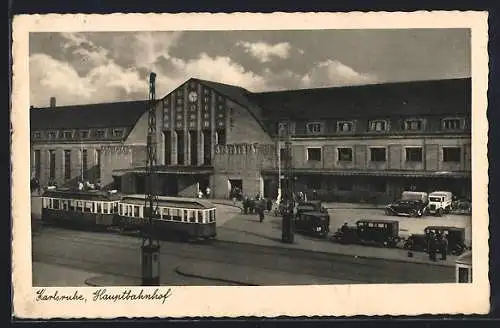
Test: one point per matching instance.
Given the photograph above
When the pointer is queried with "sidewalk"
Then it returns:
(327, 205)
(246, 229)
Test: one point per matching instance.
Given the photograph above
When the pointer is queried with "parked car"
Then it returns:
(412, 203)
(455, 236)
(370, 232)
(313, 223)
(440, 202)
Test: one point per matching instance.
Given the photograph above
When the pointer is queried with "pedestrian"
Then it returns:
(444, 246)
(432, 247)
(207, 192)
(260, 211)
(315, 194)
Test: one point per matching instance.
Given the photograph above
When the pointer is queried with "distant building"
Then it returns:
(353, 143)
(71, 143)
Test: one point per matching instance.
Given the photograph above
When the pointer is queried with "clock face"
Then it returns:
(192, 96)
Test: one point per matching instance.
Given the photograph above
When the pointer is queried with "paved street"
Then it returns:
(222, 263)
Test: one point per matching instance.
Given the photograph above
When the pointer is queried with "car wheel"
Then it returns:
(388, 212)
(439, 212)
(419, 213)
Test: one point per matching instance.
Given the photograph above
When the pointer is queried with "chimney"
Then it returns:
(52, 102)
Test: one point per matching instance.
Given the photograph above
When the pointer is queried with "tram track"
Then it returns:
(114, 253)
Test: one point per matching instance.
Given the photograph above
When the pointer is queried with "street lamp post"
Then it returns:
(150, 249)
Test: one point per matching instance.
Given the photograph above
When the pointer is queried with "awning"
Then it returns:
(176, 170)
(372, 173)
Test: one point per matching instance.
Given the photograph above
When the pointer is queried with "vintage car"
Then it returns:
(310, 206)
(414, 208)
(456, 239)
(370, 232)
(313, 223)
(440, 202)
(412, 203)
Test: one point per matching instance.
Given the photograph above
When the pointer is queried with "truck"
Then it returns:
(440, 202)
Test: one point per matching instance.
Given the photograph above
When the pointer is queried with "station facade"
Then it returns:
(355, 143)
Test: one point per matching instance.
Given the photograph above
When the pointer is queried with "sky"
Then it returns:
(95, 67)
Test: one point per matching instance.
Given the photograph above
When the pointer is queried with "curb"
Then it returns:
(89, 283)
(337, 253)
(192, 275)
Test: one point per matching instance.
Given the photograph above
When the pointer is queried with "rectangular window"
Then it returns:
(168, 147)
(377, 154)
(451, 154)
(67, 164)
(344, 126)
(84, 134)
(314, 154)
(68, 135)
(314, 128)
(285, 128)
(207, 147)
(52, 135)
(193, 141)
(100, 134)
(37, 159)
(98, 163)
(117, 133)
(180, 147)
(37, 135)
(412, 125)
(414, 154)
(52, 164)
(452, 124)
(285, 155)
(221, 137)
(84, 163)
(378, 126)
(345, 154)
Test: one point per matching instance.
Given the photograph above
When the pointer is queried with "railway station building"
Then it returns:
(352, 143)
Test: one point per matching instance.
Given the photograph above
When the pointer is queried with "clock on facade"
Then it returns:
(192, 96)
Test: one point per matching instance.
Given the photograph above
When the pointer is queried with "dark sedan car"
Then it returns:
(414, 208)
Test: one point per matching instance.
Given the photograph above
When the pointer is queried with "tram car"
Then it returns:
(95, 209)
(186, 218)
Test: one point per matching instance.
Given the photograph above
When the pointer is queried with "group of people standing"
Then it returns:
(437, 243)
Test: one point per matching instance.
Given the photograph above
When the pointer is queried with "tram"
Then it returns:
(79, 208)
(186, 218)
(463, 268)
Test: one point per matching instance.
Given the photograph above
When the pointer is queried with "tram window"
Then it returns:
(192, 216)
(176, 215)
(72, 205)
(185, 216)
(136, 211)
(200, 216)
(56, 204)
(98, 207)
(88, 207)
(64, 204)
(463, 275)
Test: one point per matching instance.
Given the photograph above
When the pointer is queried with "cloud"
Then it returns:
(50, 77)
(264, 51)
(104, 67)
(332, 72)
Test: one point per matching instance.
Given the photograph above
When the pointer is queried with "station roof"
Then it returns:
(431, 97)
(100, 115)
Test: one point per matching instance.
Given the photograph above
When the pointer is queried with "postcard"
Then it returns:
(234, 165)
